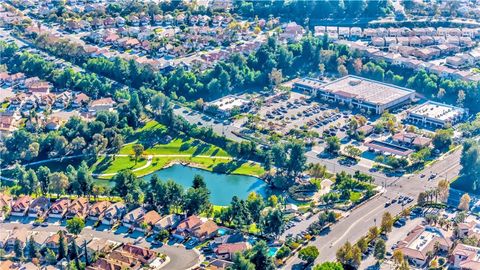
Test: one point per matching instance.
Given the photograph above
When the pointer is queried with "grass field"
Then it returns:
(106, 165)
(178, 149)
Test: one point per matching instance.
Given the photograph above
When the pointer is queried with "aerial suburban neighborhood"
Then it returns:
(239, 134)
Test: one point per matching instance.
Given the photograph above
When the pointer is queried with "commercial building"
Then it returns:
(435, 114)
(226, 105)
(370, 95)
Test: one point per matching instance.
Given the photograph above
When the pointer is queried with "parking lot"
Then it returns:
(299, 111)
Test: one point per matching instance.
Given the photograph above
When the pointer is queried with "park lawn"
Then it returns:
(105, 165)
(250, 168)
(180, 146)
(355, 196)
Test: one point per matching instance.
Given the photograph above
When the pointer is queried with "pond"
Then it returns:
(222, 186)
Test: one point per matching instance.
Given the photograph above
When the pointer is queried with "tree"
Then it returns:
(138, 151)
(464, 202)
(198, 182)
(387, 222)
(50, 257)
(443, 139)
(329, 266)
(162, 235)
(443, 189)
(58, 183)
(273, 223)
(62, 246)
(333, 145)
(17, 249)
(31, 248)
(75, 225)
(373, 233)
(275, 77)
(240, 262)
(43, 178)
(352, 151)
(379, 250)
(308, 254)
(259, 257)
(398, 257)
(196, 200)
(362, 244)
(349, 255)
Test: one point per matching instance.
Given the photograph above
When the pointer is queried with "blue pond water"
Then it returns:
(222, 186)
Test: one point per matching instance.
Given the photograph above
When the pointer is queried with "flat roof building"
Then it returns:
(360, 92)
(435, 114)
(226, 104)
(420, 242)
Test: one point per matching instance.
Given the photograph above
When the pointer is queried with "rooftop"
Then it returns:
(438, 111)
(367, 90)
(229, 102)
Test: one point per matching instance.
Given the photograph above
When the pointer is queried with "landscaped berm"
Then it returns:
(163, 150)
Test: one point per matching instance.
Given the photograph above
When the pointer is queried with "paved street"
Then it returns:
(180, 258)
(356, 225)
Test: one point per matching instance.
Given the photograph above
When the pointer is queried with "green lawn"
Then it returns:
(106, 165)
(355, 196)
(198, 153)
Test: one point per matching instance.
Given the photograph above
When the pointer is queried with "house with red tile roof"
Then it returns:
(78, 208)
(39, 207)
(59, 208)
(98, 209)
(227, 251)
(20, 206)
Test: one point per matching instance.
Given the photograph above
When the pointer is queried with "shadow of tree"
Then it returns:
(103, 165)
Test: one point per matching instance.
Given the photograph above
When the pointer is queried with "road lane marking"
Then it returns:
(354, 224)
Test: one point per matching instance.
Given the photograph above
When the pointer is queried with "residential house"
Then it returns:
(131, 217)
(53, 241)
(466, 257)
(147, 221)
(292, 32)
(39, 207)
(421, 241)
(167, 222)
(98, 209)
(80, 100)
(15, 79)
(39, 87)
(19, 234)
(39, 238)
(205, 230)
(8, 123)
(426, 53)
(103, 104)
(20, 206)
(186, 226)
(101, 246)
(119, 21)
(59, 208)
(113, 213)
(78, 208)
(227, 251)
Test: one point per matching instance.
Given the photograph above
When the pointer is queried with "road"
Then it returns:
(356, 225)
(180, 258)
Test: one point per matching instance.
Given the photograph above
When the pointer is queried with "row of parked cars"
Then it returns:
(403, 200)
